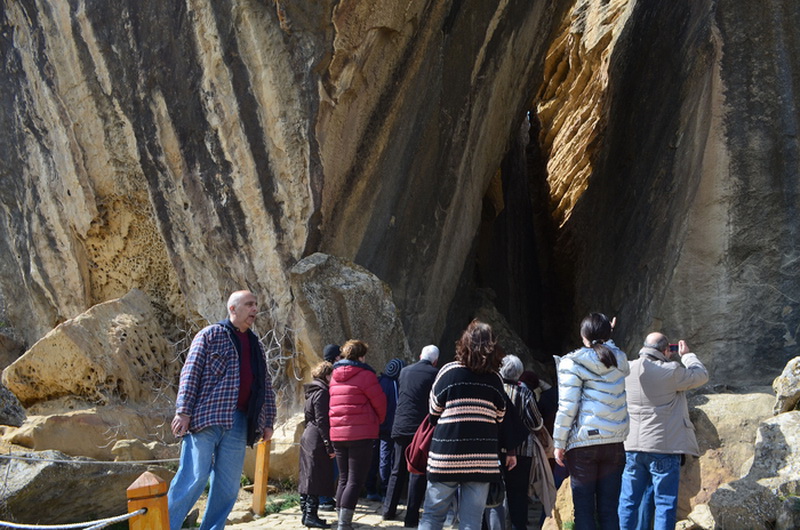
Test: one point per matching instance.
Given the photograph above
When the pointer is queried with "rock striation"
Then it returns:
(198, 147)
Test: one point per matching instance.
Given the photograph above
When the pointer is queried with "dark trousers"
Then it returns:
(596, 476)
(354, 458)
(397, 483)
(517, 481)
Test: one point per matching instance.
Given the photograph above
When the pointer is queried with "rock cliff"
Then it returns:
(190, 148)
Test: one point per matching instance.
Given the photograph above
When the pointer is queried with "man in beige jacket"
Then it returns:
(660, 429)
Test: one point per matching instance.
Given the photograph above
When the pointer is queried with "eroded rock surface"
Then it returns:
(114, 353)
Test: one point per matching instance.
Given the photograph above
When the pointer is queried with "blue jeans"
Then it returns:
(647, 508)
(595, 476)
(641, 470)
(440, 495)
(213, 453)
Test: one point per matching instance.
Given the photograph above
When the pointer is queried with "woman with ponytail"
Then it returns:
(592, 423)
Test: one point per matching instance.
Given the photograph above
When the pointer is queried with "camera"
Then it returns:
(673, 348)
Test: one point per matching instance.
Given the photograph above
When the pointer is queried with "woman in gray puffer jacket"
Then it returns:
(592, 423)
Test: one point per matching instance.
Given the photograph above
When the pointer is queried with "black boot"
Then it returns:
(312, 519)
(303, 503)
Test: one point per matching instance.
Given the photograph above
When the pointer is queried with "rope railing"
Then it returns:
(90, 461)
(90, 525)
(24, 457)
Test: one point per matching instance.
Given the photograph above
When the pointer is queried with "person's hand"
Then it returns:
(613, 323)
(561, 457)
(267, 436)
(683, 348)
(331, 455)
(180, 424)
(511, 462)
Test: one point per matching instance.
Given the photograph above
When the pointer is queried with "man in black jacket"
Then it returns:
(415, 384)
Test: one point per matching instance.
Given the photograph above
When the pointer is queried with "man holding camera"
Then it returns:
(660, 429)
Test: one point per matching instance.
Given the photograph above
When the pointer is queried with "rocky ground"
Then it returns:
(368, 515)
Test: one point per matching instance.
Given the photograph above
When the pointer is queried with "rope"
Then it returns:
(105, 462)
(90, 525)
(65, 461)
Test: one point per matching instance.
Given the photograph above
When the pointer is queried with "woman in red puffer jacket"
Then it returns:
(358, 407)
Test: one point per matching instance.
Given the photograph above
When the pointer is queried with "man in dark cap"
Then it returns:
(332, 353)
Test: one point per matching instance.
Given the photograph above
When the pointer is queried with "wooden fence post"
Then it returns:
(261, 478)
(148, 491)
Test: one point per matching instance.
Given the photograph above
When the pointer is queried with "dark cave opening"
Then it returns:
(514, 257)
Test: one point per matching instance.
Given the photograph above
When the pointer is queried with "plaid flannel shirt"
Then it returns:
(209, 383)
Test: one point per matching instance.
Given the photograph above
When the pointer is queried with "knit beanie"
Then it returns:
(331, 352)
(393, 367)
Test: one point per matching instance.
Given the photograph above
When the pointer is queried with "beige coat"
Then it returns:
(659, 414)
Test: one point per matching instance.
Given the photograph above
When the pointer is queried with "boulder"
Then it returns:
(50, 487)
(755, 501)
(284, 455)
(726, 425)
(89, 431)
(787, 387)
(336, 300)
(700, 518)
(564, 510)
(11, 411)
(131, 451)
(114, 352)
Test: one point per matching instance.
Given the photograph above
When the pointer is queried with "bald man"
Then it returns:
(225, 402)
(660, 429)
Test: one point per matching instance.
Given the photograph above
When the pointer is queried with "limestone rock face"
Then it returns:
(754, 501)
(787, 387)
(337, 300)
(681, 192)
(30, 497)
(115, 352)
(191, 148)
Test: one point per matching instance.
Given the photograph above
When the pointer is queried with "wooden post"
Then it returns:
(148, 491)
(261, 478)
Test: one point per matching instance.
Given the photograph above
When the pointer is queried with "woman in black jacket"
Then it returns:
(316, 450)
